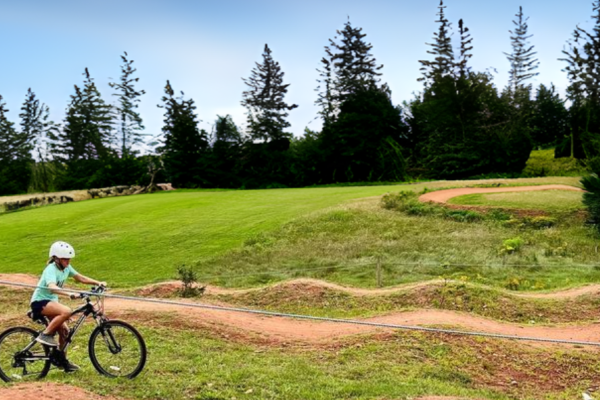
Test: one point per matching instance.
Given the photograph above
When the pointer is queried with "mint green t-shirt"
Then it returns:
(51, 274)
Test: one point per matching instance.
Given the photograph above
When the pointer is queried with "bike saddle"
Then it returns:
(40, 319)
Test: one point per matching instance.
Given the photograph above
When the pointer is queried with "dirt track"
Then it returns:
(286, 329)
(54, 391)
(442, 196)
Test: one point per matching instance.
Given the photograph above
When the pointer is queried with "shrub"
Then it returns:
(396, 201)
(513, 245)
(189, 282)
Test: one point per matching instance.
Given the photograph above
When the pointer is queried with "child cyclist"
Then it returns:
(44, 301)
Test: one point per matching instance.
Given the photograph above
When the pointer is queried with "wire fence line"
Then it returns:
(322, 319)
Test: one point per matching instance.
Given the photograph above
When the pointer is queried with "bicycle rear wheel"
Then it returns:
(21, 358)
(117, 350)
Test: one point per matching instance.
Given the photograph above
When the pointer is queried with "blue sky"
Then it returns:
(205, 47)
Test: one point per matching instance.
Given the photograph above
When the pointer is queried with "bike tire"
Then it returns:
(104, 359)
(11, 335)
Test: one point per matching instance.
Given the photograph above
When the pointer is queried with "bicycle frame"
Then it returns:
(85, 310)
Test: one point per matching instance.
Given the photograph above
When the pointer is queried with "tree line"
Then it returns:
(459, 125)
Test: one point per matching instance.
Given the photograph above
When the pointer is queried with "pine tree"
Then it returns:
(184, 145)
(347, 68)
(583, 71)
(550, 118)
(522, 61)
(130, 121)
(36, 128)
(461, 66)
(226, 151)
(265, 102)
(87, 131)
(15, 156)
(441, 49)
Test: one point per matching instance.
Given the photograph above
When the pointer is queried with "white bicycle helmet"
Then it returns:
(62, 250)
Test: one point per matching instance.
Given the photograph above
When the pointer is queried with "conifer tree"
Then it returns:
(36, 128)
(347, 68)
(87, 131)
(583, 71)
(184, 145)
(264, 100)
(522, 61)
(15, 156)
(130, 122)
(462, 68)
(441, 49)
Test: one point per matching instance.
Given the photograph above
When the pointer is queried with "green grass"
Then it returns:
(547, 200)
(188, 361)
(345, 244)
(129, 241)
(543, 163)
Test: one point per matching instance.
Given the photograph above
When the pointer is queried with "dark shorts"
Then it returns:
(38, 306)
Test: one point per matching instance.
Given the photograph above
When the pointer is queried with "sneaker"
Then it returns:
(70, 367)
(46, 339)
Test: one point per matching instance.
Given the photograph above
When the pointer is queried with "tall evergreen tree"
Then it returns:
(264, 100)
(583, 71)
(36, 128)
(227, 145)
(522, 59)
(441, 49)
(15, 156)
(348, 67)
(130, 122)
(87, 129)
(184, 145)
(549, 123)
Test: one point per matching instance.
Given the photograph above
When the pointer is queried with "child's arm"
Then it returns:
(54, 288)
(87, 281)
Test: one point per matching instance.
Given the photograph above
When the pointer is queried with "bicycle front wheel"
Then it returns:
(22, 359)
(117, 350)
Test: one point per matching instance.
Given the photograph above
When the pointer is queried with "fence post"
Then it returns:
(378, 273)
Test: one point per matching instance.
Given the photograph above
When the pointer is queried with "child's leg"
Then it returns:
(58, 315)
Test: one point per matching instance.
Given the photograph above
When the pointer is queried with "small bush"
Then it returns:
(513, 245)
(395, 201)
(189, 282)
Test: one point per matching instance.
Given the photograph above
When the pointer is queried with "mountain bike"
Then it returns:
(116, 348)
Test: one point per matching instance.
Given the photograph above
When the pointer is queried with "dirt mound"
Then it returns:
(170, 288)
(48, 391)
(27, 279)
(442, 196)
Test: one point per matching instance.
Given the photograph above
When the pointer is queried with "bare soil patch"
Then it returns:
(442, 196)
(48, 391)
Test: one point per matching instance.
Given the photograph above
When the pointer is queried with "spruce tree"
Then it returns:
(550, 119)
(348, 67)
(15, 156)
(184, 145)
(522, 59)
(130, 122)
(441, 48)
(36, 128)
(87, 130)
(264, 100)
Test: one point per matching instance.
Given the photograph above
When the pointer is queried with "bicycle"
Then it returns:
(116, 348)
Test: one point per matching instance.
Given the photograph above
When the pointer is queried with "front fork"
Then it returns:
(109, 338)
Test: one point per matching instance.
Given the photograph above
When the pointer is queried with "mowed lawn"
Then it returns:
(140, 239)
(549, 200)
(131, 241)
